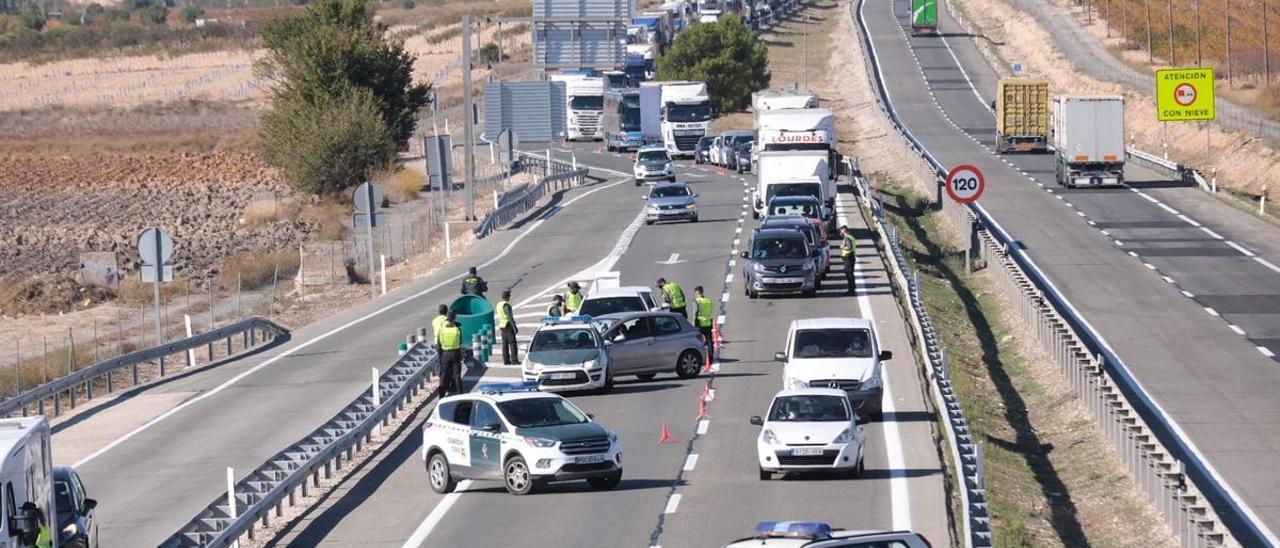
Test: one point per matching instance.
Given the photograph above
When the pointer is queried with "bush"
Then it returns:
(330, 144)
(189, 14)
(255, 270)
(156, 15)
(726, 55)
(408, 4)
(489, 54)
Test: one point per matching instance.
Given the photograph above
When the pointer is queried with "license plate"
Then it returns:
(559, 376)
(806, 452)
(783, 280)
(589, 459)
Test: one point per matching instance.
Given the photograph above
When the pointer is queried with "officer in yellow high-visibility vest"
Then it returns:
(848, 255)
(437, 323)
(507, 326)
(704, 320)
(450, 341)
(573, 299)
(673, 295)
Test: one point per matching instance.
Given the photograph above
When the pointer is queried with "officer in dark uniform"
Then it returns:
(473, 284)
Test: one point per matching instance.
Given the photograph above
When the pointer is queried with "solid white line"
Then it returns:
(1266, 352)
(1169, 209)
(1267, 264)
(690, 462)
(1188, 294)
(419, 535)
(1211, 311)
(1240, 248)
(1188, 220)
(1236, 329)
(703, 425)
(673, 504)
(1215, 235)
(1148, 198)
(233, 380)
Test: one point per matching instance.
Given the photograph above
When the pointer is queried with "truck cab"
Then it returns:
(685, 110)
(584, 103)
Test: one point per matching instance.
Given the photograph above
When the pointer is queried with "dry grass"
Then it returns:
(261, 212)
(329, 215)
(256, 270)
(403, 185)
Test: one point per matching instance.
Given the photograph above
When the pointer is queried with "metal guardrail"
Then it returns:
(556, 175)
(1179, 172)
(299, 467)
(1187, 491)
(254, 330)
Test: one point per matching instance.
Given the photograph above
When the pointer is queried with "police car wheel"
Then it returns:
(688, 365)
(438, 472)
(516, 476)
(605, 483)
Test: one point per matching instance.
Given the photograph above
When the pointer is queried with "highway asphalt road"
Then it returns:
(1194, 314)
(668, 495)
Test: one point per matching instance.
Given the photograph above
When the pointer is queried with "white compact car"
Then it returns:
(520, 436)
(842, 353)
(808, 430)
(812, 534)
(614, 300)
(567, 353)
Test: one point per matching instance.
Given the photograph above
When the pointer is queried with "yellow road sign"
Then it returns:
(1184, 95)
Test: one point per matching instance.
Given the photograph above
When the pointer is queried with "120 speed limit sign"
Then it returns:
(965, 184)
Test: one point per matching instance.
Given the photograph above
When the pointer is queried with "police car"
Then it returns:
(567, 353)
(811, 534)
(516, 434)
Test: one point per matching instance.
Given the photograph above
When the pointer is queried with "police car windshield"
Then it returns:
(536, 412)
(653, 156)
(779, 248)
(809, 409)
(550, 340)
(611, 305)
(832, 343)
(669, 192)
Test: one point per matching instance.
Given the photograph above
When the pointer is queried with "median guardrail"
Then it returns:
(297, 469)
(1189, 494)
(254, 331)
(556, 175)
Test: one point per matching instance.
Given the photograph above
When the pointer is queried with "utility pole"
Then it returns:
(1172, 54)
(1266, 44)
(1199, 57)
(1147, 4)
(468, 134)
(1229, 80)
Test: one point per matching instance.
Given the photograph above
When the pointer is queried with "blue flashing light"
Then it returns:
(793, 529)
(553, 320)
(503, 387)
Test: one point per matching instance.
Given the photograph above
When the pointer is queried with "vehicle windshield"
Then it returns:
(550, 340)
(587, 102)
(611, 305)
(809, 409)
(803, 209)
(654, 156)
(617, 80)
(736, 140)
(832, 343)
(792, 189)
(669, 192)
(535, 412)
(629, 113)
(62, 496)
(689, 113)
(779, 248)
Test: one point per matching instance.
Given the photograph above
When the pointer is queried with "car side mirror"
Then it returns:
(886, 355)
(742, 254)
(608, 343)
(756, 420)
(780, 357)
(90, 504)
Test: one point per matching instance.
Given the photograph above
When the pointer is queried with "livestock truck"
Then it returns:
(1088, 140)
(1022, 115)
(924, 17)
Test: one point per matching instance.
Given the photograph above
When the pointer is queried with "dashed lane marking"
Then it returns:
(1211, 311)
(1188, 294)
(1240, 248)
(690, 462)
(673, 504)
(703, 425)
(1237, 329)
(1266, 352)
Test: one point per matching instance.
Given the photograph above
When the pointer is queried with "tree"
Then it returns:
(726, 55)
(332, 69)
(155, 15)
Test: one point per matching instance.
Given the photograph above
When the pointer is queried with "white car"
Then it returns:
(567, 353)
(842, 353)
(520, 436)
(714, 151)
(807, 430)
(809, 534)
(612, 300)
(653, 163)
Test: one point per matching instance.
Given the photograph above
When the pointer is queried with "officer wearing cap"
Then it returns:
(557, 307)
(449, 339)
(573, 299)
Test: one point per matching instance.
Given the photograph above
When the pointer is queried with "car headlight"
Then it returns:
(590, 364)
(808, 265)
(757, 267)
(796, 384)
(690, 206)
(540, 442)
(769, 437)
(531, 366)
(613, 437)
(872, 380)
(845, 437)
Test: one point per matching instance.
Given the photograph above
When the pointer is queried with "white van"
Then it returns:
(842, 353)
(26, 482)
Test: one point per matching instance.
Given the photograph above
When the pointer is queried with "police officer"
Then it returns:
(473, 284)
(848, 255)
(673, 295)
(437, 323)
(507, 325)
(573, 299)
(704, 320)
(557, 307)
(449, 339)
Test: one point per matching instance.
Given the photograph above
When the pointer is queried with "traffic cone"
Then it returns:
(702, 410)
(665, 436)
(716, 338)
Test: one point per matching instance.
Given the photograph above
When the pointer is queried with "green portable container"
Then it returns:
(475, 317)
(924, 17)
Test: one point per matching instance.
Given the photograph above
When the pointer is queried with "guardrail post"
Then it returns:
(377, 393)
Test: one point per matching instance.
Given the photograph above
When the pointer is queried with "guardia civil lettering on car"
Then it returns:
(519, 435)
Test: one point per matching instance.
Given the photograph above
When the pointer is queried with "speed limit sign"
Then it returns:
(965, 184)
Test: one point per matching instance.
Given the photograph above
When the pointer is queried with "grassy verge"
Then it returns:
(1051, 478)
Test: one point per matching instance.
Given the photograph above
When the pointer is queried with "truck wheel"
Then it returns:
(516, 476)
(605, 483)
(438, 472)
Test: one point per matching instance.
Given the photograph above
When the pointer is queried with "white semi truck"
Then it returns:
(794, 173)
(1088, 140)
(584, 103)
(26, 483)
(809, 129)
(685, 111)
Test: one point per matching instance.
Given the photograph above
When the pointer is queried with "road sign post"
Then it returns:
(368, 198)
(965, 183)
(155, 247)
(508, 142)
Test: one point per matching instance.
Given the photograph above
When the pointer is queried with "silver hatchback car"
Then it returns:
(647, 343)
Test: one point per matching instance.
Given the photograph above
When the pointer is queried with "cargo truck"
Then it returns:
(685, 110)
(794, 173)
(651, 113)
(640, 63)
(774, 99)
(26, 474)
(584, 101)
(924, 17)
(1088, 140)
(1022, 115)
(621, 120)
(811, 129)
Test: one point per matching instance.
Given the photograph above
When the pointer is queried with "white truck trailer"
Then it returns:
(774, 99)
(26, 483)
(584, 103)
(1088, 140)
(794, 173)
(811, 129)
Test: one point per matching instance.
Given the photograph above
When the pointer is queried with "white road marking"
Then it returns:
(720, 321)
(1148, 198)
(1215, 235)
(673, 504)
(703, 425)
(1149, 266)
(1133, 254)
(1211, 311)
(1266, 352)
(736, 241)
(724, 297)
(1188, 220)
(1119, 243)
(1105, 233)
(1267, 264)
(1188, 294)
(1236, 329)
(732, 262)
(1240, 248)
(690, 462)
(728, 278)
(1169, 209)
(737, 230)
(1080, 213)
(419, 535)
(1167, 279)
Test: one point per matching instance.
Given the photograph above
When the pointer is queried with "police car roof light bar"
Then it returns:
(552, 320)
(502, 387)
(793, 529)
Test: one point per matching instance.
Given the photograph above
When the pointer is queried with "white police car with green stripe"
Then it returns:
(518, 435)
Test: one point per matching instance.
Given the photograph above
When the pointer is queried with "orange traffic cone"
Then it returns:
(665, 436)
(718, 340)
(702, 410)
